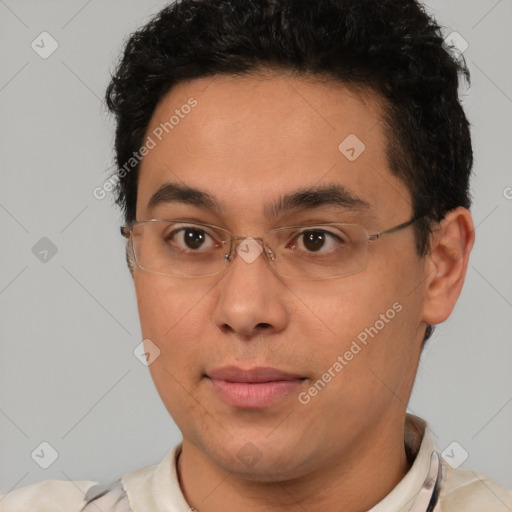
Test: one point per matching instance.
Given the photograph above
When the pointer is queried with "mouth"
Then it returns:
(254, 388)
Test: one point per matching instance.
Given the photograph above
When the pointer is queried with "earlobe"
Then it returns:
(446, 264)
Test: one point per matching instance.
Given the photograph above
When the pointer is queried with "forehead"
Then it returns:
(248, 140)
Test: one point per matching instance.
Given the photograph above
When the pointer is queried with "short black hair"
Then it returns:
(392, 47)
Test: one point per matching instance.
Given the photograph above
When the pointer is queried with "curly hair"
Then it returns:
(391, 47)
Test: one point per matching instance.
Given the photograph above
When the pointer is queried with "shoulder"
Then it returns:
(468, 491)
(48, 496)
(86, 495)
(73, 496)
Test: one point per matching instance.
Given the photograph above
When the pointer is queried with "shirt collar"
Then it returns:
(421, 451)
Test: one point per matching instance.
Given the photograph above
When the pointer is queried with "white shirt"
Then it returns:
(156, 488)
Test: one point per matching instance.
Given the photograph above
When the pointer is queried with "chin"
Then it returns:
(261, 458)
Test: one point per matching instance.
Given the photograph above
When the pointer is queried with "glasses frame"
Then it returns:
(126, 232)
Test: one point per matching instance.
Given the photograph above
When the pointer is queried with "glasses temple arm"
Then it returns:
(395, 228)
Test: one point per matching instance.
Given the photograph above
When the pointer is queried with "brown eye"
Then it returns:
(313, 240)
(318, 241)
(190, 238)
(194, 238)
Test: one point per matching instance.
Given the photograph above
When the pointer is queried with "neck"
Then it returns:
(352, 482)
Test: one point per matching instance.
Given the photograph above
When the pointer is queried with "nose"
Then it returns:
(251, 297)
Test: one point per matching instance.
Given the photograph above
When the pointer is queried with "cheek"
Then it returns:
(336, 311)
(167, 305)
(173, 315)
(369, 320)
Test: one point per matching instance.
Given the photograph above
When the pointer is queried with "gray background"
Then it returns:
(69, 326)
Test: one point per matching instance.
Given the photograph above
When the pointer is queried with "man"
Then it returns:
(294, 177)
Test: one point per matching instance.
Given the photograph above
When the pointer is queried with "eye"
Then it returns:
(191, 238)
(319, 240)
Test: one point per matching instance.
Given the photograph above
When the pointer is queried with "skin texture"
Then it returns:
(249, 140)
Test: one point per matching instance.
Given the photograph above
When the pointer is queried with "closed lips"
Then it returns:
(255, 388)
(254, 375)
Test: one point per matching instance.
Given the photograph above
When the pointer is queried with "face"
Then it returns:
(262, 374)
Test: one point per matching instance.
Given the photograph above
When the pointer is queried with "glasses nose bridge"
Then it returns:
(236, 241)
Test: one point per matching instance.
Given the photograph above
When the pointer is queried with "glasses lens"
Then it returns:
(187, 249)
(179, 248)
(319, 252)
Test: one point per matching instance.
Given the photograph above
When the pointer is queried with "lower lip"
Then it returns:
(254, 395)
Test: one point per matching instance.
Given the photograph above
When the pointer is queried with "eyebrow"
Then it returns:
(303, 199)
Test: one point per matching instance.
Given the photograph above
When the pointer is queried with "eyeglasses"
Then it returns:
(179, 248)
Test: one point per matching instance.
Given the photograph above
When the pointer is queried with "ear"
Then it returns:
(446, 264)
